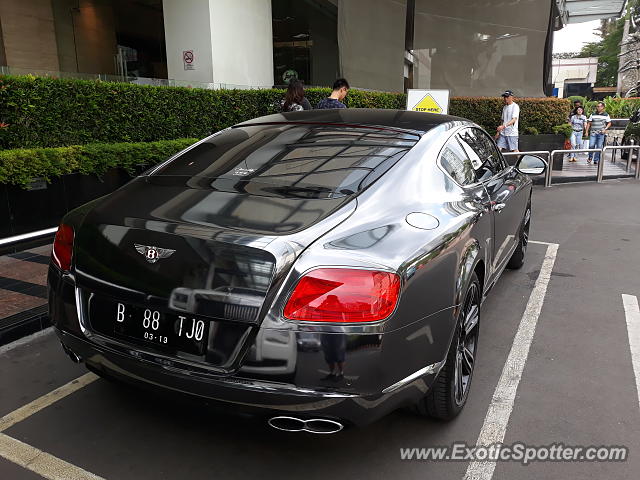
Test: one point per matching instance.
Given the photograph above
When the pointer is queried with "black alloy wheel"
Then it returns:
(450, 390)
(467, 344)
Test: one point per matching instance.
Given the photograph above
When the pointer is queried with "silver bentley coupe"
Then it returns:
(318, 268)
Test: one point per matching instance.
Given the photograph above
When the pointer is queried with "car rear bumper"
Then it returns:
(247, 394)
(278, 370)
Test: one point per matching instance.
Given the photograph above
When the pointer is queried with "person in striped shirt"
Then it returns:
(598, 123)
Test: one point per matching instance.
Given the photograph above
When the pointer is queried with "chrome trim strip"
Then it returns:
(80, 312)
(428, 370)
(266, 386)
(27, 236)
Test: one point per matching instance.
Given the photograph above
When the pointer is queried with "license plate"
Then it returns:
(167, 331)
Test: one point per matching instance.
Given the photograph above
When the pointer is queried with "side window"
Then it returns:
(486, 160)
(490, 148)
(456, 163)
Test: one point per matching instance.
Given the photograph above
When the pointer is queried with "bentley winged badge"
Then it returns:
(153, 254)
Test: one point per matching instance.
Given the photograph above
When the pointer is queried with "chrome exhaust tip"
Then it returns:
(72, 355)
(321, 426)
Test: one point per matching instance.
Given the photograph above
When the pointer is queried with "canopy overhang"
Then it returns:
(578, 11)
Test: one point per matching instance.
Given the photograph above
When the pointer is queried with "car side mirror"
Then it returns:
(531, 165)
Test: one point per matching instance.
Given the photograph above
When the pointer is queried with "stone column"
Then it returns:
(28, 34)
(221, 42)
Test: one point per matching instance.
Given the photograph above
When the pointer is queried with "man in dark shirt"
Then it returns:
(340, 90)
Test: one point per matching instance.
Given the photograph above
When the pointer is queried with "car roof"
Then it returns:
(363, 117)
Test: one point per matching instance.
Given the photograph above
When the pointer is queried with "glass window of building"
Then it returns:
(305, 44)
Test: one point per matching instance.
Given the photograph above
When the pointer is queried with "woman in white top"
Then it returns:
(578, 123)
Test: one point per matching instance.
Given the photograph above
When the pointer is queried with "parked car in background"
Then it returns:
(322, 267)
(631, 134)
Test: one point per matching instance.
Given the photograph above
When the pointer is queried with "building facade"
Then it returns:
(574, 76)
(471, 47)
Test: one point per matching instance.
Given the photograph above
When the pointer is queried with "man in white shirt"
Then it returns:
(507, 133)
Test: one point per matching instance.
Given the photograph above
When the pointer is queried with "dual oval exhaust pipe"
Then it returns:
(322, 426)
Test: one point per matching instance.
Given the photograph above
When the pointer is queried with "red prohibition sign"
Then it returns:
(187, 56)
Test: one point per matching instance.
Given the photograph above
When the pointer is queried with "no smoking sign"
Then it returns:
(188, 60)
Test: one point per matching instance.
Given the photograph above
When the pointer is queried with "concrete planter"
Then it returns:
(546, 142)
(44, 205)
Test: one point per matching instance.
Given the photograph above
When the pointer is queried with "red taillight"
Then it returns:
(343, 295)
(63, 247)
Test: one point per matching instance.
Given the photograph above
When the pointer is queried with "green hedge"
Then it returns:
(540, 113)
(20, 166)
(616, 107)
(49, 112)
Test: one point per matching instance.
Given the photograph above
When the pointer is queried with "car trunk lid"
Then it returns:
(207, 254)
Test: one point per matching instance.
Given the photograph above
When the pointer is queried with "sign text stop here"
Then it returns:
(429, 101)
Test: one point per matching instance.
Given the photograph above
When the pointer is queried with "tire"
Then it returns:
(517, 259)
(448, 394)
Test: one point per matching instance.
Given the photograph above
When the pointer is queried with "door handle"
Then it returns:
(497, 207)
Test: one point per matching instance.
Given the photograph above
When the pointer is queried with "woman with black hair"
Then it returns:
(294, 99)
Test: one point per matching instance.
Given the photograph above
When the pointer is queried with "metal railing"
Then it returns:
(158, 82)
(614, 148)
(547, 182)
(16, 239)
(549, 157)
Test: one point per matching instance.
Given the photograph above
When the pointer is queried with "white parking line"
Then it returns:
(497, 418)
(632, 314)
(44, 401)
(40, 462)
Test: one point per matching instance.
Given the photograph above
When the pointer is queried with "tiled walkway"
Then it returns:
(23, 289)
(581, 168)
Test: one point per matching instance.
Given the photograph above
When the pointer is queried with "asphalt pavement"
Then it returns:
(574, 384)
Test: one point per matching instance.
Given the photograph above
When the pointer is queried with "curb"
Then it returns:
(24, 323)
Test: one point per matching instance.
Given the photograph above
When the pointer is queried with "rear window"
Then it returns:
(319, 160)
